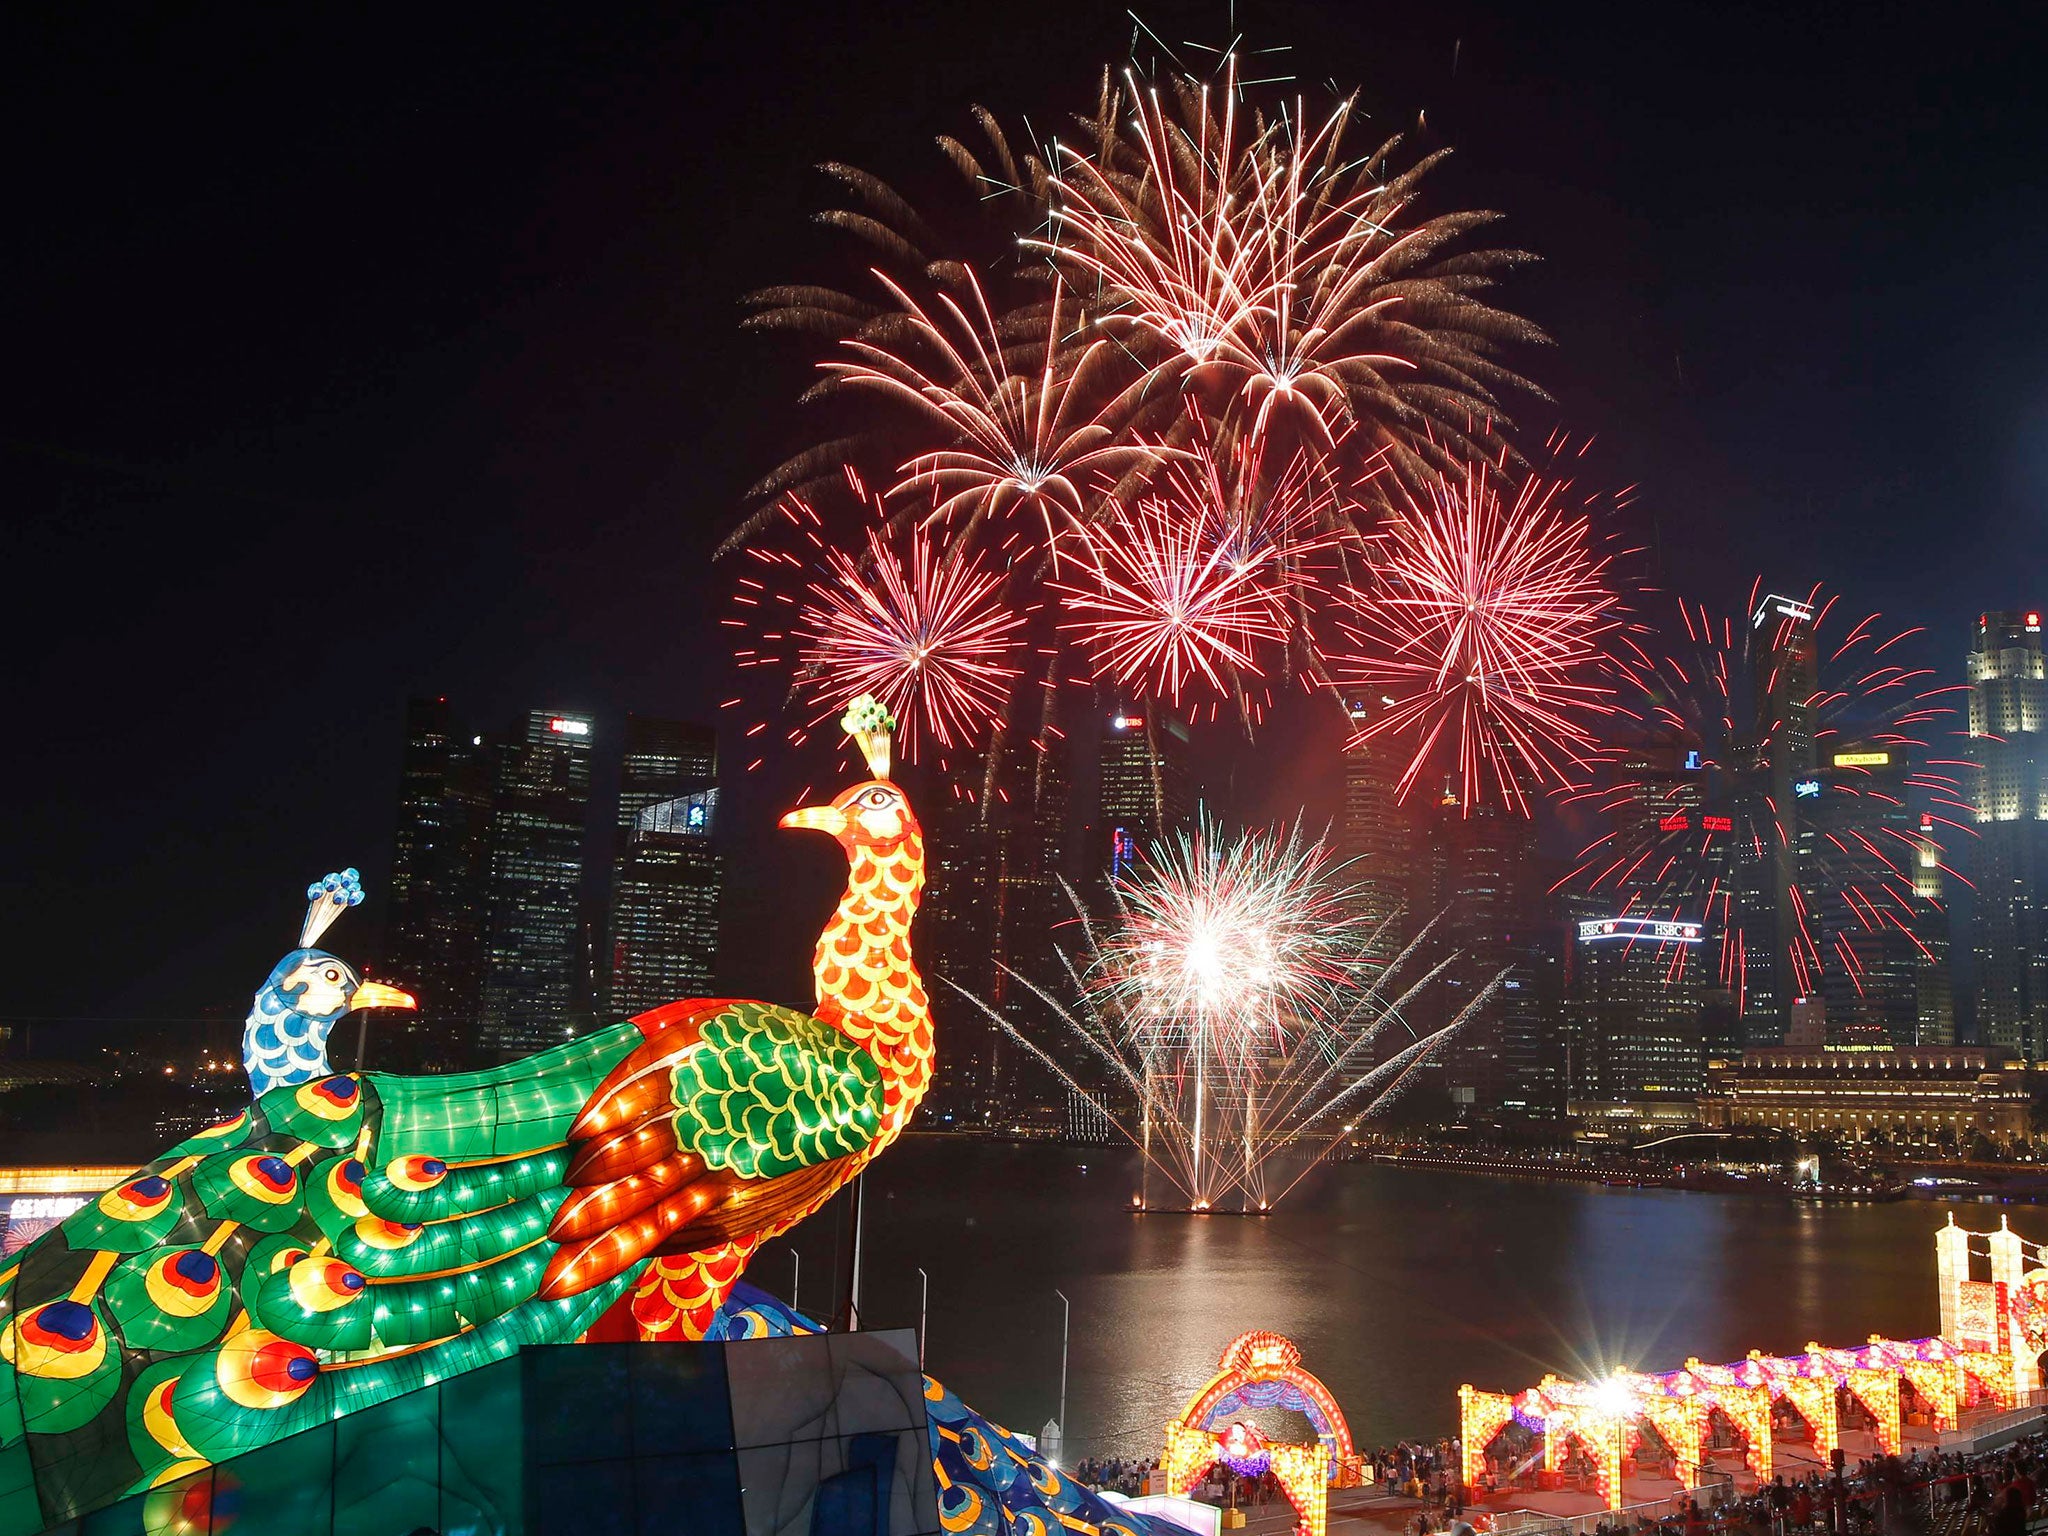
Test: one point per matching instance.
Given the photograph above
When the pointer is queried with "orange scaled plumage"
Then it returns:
(639, 1196)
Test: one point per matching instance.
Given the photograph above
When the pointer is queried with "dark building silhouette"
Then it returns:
(435, 912)
(536, 963)
(662, 934)
(994, 915)
(1379, 838)
(1491, 898)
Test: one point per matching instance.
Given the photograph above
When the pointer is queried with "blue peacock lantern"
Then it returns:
(284, 1042)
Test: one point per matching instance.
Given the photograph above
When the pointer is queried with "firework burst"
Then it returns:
(1784, 790)
(1485, 622)
(1184, 362)
(1228, 1000)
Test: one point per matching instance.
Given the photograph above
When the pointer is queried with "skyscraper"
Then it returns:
(994, 911)
(1785, 681)
(1378, 837)
(536, 968)
(2008, 716)
(662, 938)
(1147, 786)
(1870, 887)
(434, 923)
(664, 920)
(1501, 1058)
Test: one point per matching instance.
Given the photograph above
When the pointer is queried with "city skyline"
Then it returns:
(1686, 399)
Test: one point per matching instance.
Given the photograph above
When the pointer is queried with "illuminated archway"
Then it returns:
(1263, 1370)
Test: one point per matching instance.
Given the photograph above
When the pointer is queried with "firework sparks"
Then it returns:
(1484, 621)
(930, 637)
(1228, 996)
(1197, 337)
(1782, 794)
(1162, 606)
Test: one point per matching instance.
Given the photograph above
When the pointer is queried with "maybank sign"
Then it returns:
(1863, 759)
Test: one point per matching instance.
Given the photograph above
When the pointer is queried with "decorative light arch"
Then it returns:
(1263, 1370)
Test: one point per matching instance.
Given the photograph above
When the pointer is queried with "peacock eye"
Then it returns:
(333, 975)
(878, 797)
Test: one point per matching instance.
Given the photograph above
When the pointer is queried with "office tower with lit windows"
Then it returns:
(435, 906)
(662, 934)
(1870, 888)
(1147, 786)
(2008, 719)
(1785, 681)
(536, 968)
(1378, 836)
(1634, 1004)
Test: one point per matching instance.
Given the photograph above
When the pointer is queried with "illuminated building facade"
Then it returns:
(664, 919)
(1870, 888)
(535, 962)
(662, 938)
(1147, 786)
(2008, 718)
(435, 912)
(1936, 1096)
(1633, 1009)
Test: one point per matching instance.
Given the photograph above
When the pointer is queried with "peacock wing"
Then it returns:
(737, 1124)
(335, 1244)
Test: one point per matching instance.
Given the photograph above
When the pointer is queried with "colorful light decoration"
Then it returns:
(1262, 1369)
(349, 1238)
(1604, 1415)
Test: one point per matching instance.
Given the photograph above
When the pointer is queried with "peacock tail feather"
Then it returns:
(340, 1242)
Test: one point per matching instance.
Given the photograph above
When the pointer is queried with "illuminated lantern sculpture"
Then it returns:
(351, 1237)
(1263, 1370)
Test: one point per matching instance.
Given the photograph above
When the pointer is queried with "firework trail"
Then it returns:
(1171, 372)
(1485, 621)
(1227, 1001)
(1784, 788)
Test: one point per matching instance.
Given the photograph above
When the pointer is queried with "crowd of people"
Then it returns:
(1996, 1493)
(1114, 1474)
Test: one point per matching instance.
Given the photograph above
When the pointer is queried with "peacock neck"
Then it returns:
(867, 982)
(280, 1050)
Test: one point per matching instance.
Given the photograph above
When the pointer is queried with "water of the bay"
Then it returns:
(1398, 1283)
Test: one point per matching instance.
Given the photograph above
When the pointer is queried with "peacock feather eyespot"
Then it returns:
(330, 1098)
(257, 1369)
(414, 1172)
(322, 1285)
(60, 1340)
(265, 1177)
(138, 1199)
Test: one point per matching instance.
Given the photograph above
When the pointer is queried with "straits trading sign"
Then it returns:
(1647, 930)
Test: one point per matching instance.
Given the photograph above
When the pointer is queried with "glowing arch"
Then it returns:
(1263, 1370)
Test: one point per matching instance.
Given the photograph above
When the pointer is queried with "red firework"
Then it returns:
(1784, 793)
(1164, 605)
(1484, 621)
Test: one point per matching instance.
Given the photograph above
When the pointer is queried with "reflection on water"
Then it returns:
(1398, 1283)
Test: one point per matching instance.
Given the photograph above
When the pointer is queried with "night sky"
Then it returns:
(350, 359)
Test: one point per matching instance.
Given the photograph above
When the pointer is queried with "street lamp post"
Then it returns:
(796, 1274)
(924, 1296)
(1066, 1314)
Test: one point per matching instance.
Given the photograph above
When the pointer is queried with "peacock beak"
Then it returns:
(817, 818)
(374, 994)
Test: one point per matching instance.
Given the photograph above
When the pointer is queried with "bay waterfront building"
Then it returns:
(1936, 1097)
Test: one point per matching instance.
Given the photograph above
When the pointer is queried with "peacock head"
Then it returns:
(874, 815)
(322, 987)
(314, 984)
